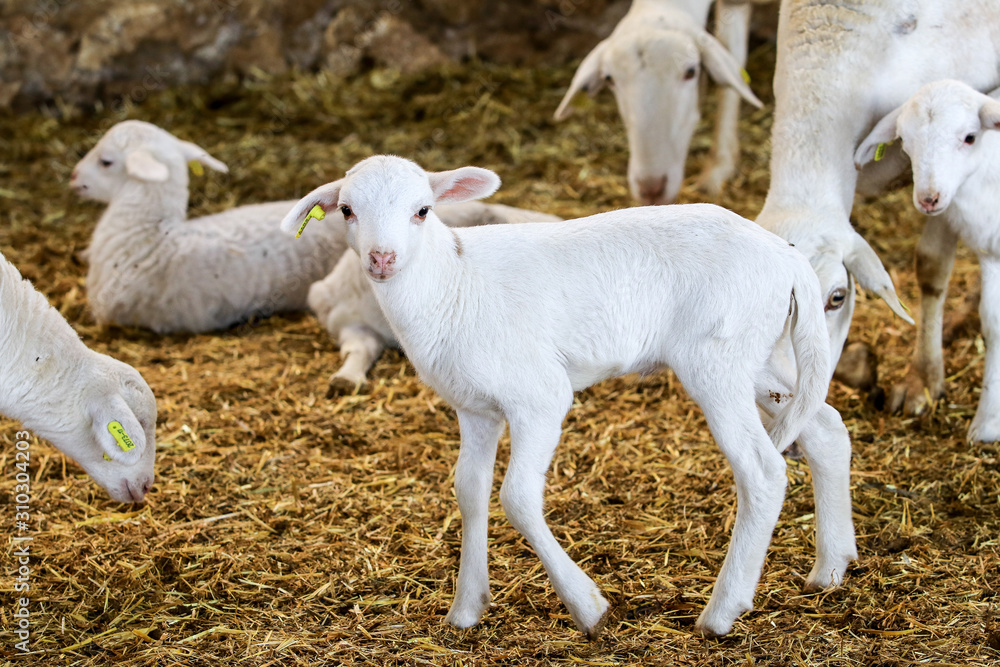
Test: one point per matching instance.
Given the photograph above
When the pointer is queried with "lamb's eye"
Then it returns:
(970, 139)
(422, 213)
(346, 210)
(106, 163)
(836, 300)
(690, 73)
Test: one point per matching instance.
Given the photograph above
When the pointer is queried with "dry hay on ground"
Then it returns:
(287, 529)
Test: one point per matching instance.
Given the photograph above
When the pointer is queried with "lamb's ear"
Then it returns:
(862, 263)
(989, 114)
(588, 78)
(884, 132)
(194, 152)
(119, 433)
(316, 204)
(141, 164)
(463, 184)
(723, 68)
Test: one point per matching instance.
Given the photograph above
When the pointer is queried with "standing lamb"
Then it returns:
(841, 66)
(505, 322)
(346, 307)
(96, 410)
(651, 61)
(152, 267)
(947, 130)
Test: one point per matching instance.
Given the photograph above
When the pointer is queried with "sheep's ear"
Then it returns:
(883, 133)
(141, 164)
(862, 263)
(316, 204)
(723, 68)
(457, 185)
(119, 433)
(989, 115)
(588, 78)
(194, 152)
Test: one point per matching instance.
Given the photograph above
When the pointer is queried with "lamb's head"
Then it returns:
(940, 127)
(111, 433)
(388, 204)
(136, 150)
(654, 73)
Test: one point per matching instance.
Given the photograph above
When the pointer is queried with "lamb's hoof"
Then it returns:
(711, 628)
(595, 630)
(341, 386)
(986, 429)
(592, 622)
(826, 576)
(912, 397)
(464, 615)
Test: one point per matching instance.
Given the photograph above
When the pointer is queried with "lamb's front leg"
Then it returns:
(473, 484)
(985, 425)
(935, 257)
(532, 442)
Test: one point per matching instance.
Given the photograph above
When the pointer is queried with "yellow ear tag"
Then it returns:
(121, 437)
(107, 458)
(880, 151)
(316, 212)
(746, 75)
(196, 168)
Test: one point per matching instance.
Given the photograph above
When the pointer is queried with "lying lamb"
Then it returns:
(96, 410)
(506, 322)
(346, 306)
(947, 130)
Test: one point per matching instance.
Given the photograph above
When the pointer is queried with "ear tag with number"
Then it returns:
(316, 212)
(196, 168)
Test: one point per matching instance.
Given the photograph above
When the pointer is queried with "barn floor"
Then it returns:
(289, 529)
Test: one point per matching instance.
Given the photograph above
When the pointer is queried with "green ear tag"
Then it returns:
(316, 212)
(880, 151)
(746, 75)
(121, 437)
(196, 168)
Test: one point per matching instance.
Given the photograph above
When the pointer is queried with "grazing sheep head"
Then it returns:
(387, 202)
(136, 150)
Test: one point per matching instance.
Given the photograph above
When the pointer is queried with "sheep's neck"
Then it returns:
(696, 9)
(36, 347)
(138, 205)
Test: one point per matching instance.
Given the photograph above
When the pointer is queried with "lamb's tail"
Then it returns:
(811, 343)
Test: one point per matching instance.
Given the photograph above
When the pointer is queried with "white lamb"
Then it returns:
(946, 128)
(152, 267)
(841, 66)
(345, 303)
(652, 61)
(505, 322)
(96, 410)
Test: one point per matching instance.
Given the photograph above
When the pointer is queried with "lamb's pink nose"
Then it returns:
(930, 202)
(73, 176)
(381, 262)
(651, 189)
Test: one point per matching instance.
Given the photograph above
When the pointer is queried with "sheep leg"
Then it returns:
(985, 425)
(473, 484)
(732, 22)
(360, 347)
(532, 445)
(759, 472)
(924, 381)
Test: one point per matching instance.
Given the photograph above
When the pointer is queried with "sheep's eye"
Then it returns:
(106, 163)
(970, 139)
(422, 213)
(836, 300)
(346, 210)
(690, 73)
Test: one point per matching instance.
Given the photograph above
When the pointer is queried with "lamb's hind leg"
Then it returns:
(985, 425)
(473, 484)
(759, 472)
(533, 439)
(359, 347)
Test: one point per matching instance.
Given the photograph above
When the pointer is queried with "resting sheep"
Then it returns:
(151, 267)
(841, 66)
(947, 129)
(651, 61)
(75, 398)
(505, 322)
(347, 309)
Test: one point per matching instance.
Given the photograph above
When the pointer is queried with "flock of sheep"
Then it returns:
(505, 321)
